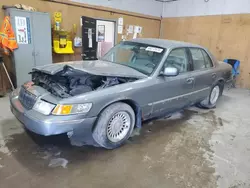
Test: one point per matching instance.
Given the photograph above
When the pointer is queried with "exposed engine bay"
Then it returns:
(71, 82)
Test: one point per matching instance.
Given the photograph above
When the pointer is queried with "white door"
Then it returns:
(105, 36)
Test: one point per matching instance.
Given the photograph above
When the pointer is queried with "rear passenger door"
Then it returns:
(202, 72)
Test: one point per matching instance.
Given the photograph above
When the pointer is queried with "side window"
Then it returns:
(178, 59)
(208, 60)
(198, 59)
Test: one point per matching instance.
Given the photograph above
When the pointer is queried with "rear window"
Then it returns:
(201, 60)
(208, 61)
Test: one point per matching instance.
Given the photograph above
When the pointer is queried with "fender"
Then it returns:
(134, 105)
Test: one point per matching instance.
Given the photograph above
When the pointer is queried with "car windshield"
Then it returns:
(141, 57)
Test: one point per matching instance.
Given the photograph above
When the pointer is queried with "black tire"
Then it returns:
(206, 103)
(100, 130)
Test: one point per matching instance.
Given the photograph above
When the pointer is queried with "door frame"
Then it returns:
(115, 25)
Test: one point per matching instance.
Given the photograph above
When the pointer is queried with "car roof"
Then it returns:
(164, 43)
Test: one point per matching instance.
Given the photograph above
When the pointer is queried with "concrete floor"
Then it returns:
(196, 148)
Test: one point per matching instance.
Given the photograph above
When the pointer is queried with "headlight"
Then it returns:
(72, 109)
(43, 107)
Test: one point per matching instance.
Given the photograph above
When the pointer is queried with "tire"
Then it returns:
(214, 95)
(114, 125)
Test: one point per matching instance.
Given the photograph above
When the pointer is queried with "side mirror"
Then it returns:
(170, 71)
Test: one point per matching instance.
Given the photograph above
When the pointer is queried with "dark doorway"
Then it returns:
(89, 44)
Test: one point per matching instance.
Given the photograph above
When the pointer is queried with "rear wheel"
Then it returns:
(114, 125)
(211, 100)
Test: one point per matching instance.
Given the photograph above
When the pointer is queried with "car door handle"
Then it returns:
(190, 80)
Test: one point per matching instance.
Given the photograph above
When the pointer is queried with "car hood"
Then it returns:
(98, 67)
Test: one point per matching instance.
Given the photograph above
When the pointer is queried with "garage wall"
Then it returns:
(71, 15)
(147, 7)
(211, 25)
(182, 8)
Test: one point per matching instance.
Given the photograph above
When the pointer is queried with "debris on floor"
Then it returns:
(52, 154)
(136, 132)
(57, 162)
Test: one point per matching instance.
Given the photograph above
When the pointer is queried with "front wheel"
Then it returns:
(114, 125)
(211, 100)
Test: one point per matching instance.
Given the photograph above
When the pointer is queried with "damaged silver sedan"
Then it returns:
(101, 102)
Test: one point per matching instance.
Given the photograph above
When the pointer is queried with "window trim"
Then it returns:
(211, 62)
(191, 56)
(189, 59)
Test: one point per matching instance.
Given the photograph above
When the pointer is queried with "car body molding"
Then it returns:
(178, 97)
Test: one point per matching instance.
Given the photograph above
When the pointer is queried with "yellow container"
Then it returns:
(62, 43)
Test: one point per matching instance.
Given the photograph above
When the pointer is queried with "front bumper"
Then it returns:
(49, 125)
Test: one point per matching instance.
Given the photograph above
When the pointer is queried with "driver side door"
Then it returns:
(172, 93)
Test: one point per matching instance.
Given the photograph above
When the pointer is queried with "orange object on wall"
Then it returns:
(7, 36)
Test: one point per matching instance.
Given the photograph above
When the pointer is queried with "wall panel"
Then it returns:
(227, 36)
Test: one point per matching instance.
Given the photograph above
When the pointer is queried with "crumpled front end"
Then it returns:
(70, 82)
(22, 104)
